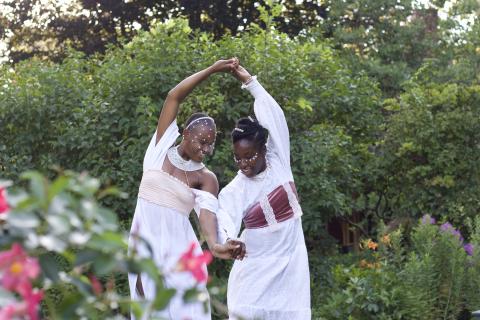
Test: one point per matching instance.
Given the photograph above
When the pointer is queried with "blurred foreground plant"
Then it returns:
(56, 237)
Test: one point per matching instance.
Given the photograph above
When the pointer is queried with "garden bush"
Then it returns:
(98, 114)
(428, 273)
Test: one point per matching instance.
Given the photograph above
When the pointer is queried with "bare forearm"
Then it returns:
(242, 74)
(183, 89)
(208, 224)
(175, 98)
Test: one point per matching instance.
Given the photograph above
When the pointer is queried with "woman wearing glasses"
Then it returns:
(174, 182)
(272, 282)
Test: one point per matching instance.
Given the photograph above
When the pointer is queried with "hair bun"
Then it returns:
(249, 128)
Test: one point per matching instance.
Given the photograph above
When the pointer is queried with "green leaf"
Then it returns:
(23, 220)
(50, 266)
(59, 185)
(108, 242)
(86, 256)
(163, 297)
(104, 264)
(38, 184)
(58, 224)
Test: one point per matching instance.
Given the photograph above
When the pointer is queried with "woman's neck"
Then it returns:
(182, 153)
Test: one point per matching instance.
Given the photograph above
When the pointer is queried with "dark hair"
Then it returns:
(194, 117)
(250, 129)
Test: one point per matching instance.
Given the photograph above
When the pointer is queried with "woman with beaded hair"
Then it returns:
(272, 282)
(174, 182)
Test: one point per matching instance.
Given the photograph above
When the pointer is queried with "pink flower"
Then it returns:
(96, 285)
(28, 307)
(4, 208)
(195, 264)
(32, 300)
(8, 312)
(17, 267)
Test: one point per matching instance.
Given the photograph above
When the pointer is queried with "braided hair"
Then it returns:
(250, 129)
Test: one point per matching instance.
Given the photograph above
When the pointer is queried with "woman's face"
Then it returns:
(250, 159)
(200, 141)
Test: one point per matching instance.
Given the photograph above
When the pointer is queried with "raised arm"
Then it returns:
(269, 114)
(176, 96)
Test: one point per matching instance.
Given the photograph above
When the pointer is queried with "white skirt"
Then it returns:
(169, 234)
(273, 281)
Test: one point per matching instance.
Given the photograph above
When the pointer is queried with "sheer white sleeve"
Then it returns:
(205, 201)
(156, 152)
(271, 116)
(229, 214)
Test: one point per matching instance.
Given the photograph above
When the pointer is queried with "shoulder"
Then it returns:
(209, 181)
(233, 187)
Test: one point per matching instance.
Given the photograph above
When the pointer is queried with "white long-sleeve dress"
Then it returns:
(273, 281)
(161, 218)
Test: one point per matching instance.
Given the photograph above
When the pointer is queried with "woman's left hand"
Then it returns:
(232, 249)
(228, 65)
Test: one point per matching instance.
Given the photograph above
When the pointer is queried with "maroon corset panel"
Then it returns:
(276, 201)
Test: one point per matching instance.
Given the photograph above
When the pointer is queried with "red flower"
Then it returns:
(3, 202)
(17, 267)
(96, 285)
(195, 264)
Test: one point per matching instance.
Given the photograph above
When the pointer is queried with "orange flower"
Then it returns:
(372, 245)
(386, 239)
(373, 265)
(363, 263)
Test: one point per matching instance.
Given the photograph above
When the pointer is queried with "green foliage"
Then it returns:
(99, 114)
(80, 248)
(425, 274)
(430, 152)
(352, 151)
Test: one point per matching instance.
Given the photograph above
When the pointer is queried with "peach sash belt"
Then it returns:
(161, 188)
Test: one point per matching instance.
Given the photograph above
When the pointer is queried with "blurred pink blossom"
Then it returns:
(195, 264)
(4, 208)
(17, 267)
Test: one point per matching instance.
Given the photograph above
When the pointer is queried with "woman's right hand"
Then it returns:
(241, 74)
(232, 249)
(228, 65)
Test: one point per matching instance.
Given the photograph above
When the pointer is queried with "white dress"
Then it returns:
(273, 281)
(161, 218)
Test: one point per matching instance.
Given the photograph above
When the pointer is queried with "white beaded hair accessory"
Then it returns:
(238, 129)
(196, 121)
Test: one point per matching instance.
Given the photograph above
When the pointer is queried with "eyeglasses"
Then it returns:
(250, 160)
